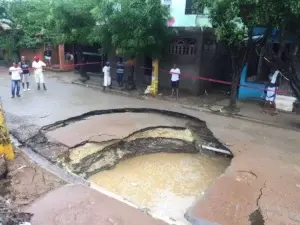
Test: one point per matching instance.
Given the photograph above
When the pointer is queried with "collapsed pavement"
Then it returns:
(117, 140)
(98, 140)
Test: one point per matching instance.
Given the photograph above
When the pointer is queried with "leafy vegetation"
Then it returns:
(234, 20)
(131, 26)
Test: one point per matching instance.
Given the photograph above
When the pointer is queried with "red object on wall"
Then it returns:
(171, 22)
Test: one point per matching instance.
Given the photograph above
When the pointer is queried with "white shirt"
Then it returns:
(38, 66)
(15, 73)
(274, 77)
(106, 70)
(175, 74)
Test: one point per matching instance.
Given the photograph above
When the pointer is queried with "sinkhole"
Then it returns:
(159, 161)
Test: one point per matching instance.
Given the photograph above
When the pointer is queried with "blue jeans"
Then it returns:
(120, 78)
(15, 87)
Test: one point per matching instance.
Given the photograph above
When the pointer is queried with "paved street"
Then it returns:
(264, 174)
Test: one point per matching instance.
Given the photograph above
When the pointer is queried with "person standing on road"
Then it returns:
(120, 71)
(82, 68)
(271, 92)
(48, 55)
(38, 65)
(175, 73)
(15, 72)
(26, 74)
(107, 78)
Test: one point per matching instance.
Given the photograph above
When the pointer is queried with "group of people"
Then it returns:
(20, 73)
(120, 74)
(174, 72)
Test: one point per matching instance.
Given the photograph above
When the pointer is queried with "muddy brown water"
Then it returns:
(167, 184)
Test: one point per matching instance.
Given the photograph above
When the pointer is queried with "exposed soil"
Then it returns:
(24, 182)
(89, 148)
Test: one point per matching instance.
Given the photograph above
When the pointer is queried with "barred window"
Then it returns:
(190, 8)
(183, 47)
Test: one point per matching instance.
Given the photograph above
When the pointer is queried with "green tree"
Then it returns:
(4, 19)
(29, 18)
(7, 33)
(132, 26)
(70, 21)
(233, 21)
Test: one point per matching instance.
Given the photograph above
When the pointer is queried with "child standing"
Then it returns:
(15, 72)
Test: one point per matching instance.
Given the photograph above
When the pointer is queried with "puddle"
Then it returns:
(165, 183)
(150, 160)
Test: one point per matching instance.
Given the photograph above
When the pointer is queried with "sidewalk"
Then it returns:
(215, 102)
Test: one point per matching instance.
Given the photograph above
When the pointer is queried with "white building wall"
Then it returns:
(180, 19)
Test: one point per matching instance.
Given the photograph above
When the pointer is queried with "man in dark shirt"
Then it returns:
(48, 55)
(25, 71)
(120, 71)
(82, 68)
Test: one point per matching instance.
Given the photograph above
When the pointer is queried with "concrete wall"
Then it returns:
(189, 65)
(211, 60)
(30, 53)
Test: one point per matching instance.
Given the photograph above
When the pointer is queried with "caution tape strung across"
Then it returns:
(168, 72)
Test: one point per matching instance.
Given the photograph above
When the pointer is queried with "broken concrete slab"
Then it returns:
(106, 127)
(230, 200)
(79, 205)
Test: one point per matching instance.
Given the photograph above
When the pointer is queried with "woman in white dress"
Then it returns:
(107, 77)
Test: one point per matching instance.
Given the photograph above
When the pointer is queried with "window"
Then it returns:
(183, 47)
(190, 8)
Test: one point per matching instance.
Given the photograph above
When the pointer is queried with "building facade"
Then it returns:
(183, 14)
(194, 50)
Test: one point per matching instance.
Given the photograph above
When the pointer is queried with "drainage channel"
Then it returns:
(159, 169)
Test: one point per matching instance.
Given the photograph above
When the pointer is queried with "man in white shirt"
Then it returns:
(37, 66)
(175, 73)
(15, 72)
(107, 78)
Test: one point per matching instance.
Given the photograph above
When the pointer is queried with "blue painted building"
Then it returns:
(252, 87)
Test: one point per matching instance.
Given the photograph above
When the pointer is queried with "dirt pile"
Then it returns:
(21, 183)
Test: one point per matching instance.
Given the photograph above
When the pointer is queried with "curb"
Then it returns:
(189, 107)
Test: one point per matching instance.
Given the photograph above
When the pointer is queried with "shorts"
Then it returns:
(25, 78)
(39, 78)
(175, 84)
(48, 57)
